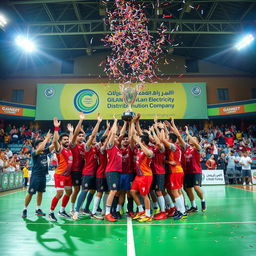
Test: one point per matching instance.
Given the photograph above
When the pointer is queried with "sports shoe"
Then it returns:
(86, 212)
(64, 215)
(192, 209)
(171, 212)
(24, 214)
(118, 215)
(40, 212)
(160, 216)
(99, 210)
(180, 216)
(203, 204)
(131, 215)
(139, 215)
(122, 211)
(156, 211)
(72, 212)
(75, 216)
(97, 217)
(250, 183)
(52, 217)
(109, 217)
(145, 219)
(244, 184)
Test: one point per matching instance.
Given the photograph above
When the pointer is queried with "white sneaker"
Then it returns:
(72, 212)
(250, 183)
(75, 216)
(244, 184)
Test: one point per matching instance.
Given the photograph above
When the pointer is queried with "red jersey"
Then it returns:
(78, 157)
(102, 163)
(127, 160)
(175, 156)
(192, 160)
(65, 161)
(142, 163)
(114, 159)
(157, 164)
(91, 163)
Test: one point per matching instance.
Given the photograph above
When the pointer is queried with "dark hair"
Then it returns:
(63, 135)
(125, 135)
(198, 138)
(87, 137)
(103, 139)
(173, 137)
(145, 138)
(37, 142)
(80, 133)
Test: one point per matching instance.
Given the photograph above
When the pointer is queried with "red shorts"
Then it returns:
(62, 181)
(142, 184)
(176, 180)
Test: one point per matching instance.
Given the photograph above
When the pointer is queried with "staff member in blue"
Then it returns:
(39, 172)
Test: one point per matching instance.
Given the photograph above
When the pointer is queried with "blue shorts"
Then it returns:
(246, 173)
(37, 184)
(126, 181)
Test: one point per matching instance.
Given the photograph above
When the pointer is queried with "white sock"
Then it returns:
(105, 197)
(183, 209)
(193, 203)
(25, 208)
(38, 207)
(148, 212)
(118, 208)
(168, 201)
(140, 208)
(73, 207)
(51, 211)
(95, 204)
(108, 209)
(155, 204)
(161, 203)
(178, 204)
(62, 209)
(202, 200)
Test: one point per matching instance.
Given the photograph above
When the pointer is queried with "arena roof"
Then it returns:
(66, 29)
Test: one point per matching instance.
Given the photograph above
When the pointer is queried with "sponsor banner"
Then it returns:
(254, 176)
(12, 109)
(213, 177)
(232, 108)
(11, 180)
(179, 100)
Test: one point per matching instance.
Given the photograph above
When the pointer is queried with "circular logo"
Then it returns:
(86, 101)
(11, 180)
(49, 92)
(196, 90)
(4, 181)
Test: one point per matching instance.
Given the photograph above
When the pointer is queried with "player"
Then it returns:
(62, 176)
(90, 167)
(39, 172)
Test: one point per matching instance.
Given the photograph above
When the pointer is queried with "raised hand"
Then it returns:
(155, 119)
(56, 123)
(99, 118)
(70, 127)
(81, 116)
(186, 130)
(48, 135)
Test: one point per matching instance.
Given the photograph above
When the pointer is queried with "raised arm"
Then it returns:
(122, 132)
(78, 128)
(71, 132)
(158, 142)
(56, 134)
(138, 128)
(192, 140)
(131, 132)
(113, 133)
(107, 129)
(94, 131)
(42, 145)
(176, 132)
(146, 151)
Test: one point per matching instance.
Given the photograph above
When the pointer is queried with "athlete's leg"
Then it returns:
(74, 196)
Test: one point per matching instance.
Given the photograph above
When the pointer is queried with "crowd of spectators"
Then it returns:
(222, 146)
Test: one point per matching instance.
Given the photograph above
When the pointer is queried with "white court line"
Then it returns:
(139, 224)
(11, 193)
(130, 238)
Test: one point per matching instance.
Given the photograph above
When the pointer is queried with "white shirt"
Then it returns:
(9, 153)
(244, 161)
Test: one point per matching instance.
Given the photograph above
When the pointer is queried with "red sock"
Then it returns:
(55, 201)
(65, 200)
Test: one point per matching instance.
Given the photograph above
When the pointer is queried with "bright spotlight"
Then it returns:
(245, 42)
(25, 43)
(3, 20)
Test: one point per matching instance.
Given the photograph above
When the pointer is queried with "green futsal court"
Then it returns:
(227, 228)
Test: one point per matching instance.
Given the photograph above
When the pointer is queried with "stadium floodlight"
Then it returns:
(3, 21)
(25, 44)
(248, 39)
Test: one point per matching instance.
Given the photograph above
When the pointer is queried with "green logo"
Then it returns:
(11, 180)
(20, 178)
(86, 101)
(4, 181)
(17, 179)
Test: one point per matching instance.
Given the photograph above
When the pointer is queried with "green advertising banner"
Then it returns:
(179, 100)
(11, 180)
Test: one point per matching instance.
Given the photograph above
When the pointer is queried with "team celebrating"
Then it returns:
(153, 168)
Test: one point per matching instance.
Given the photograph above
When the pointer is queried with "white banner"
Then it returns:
(213, 177)
(254, 176)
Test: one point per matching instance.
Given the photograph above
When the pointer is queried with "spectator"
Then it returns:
(246, 162)
(222, 162)
(9, 153)
(25, 176)
(241, 146)
(231, 159)
(211, 163)
(203, 160)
